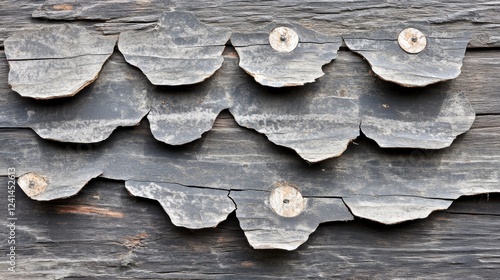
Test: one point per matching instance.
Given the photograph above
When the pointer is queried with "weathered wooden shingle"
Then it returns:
(317, 120)
(178, 51)
(56, 61)
(440, 60)
(313, 120)
(366, 176)
(188, 207)
(265, 229)
(116, 99)
(293, 59)
(426, 119)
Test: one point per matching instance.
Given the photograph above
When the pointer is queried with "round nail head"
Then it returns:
(412, 40)
(283, 39)
(286, 200)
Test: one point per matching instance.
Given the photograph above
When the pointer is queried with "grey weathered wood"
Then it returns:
(56, 61)
(274, 68)
(178, 51)
(440, 60)
(364, 173)
(423, 119)
(104, 233)
(115, 99)
(182, 114)
(265, 229)
(394, 209)
(188, 207)
(317, 121)
(334, 18)
(312, 120)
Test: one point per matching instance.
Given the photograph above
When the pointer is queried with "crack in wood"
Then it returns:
(441, 60)
(57, 61)
(380, 176)
(178, 51)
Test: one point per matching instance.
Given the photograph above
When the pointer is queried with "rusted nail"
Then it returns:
(286, 200)
(412, 40)
(283, 39)
(32, 184)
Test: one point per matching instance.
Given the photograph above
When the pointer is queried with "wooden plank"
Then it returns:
(440, 58)
(284, 54)
(333, 18)
(42, 61)
(104, 233)
(178, 51)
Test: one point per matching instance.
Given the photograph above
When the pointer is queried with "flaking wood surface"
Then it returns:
(329, 17)
(55, 61)
(318, 121)
(102, 222)
(363, 175)
(178, 51)
(440, 60)
(104, 233)
(293, 66)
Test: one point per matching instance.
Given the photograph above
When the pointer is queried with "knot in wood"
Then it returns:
(283, 39)
(412, 40)
(286, 200)
(32, 184)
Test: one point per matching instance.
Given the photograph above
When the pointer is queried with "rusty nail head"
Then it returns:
(412, 40)
(286, 200)
(283, 39)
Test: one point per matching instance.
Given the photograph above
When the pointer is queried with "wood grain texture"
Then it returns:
(57, 61)
(64, 239)
(264, 229)
(317, 120)
(178, 51)
(362, 175)
(189, 207)
(415, 119)
(313, 120)
(116, 99)
(181, 114)
(440, 60)
(394, 209)
(296, 67)
(330, 17)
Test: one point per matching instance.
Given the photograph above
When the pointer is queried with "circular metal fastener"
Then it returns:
(412, 40)
(32, 184)
(283, 39)
(286, 200)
